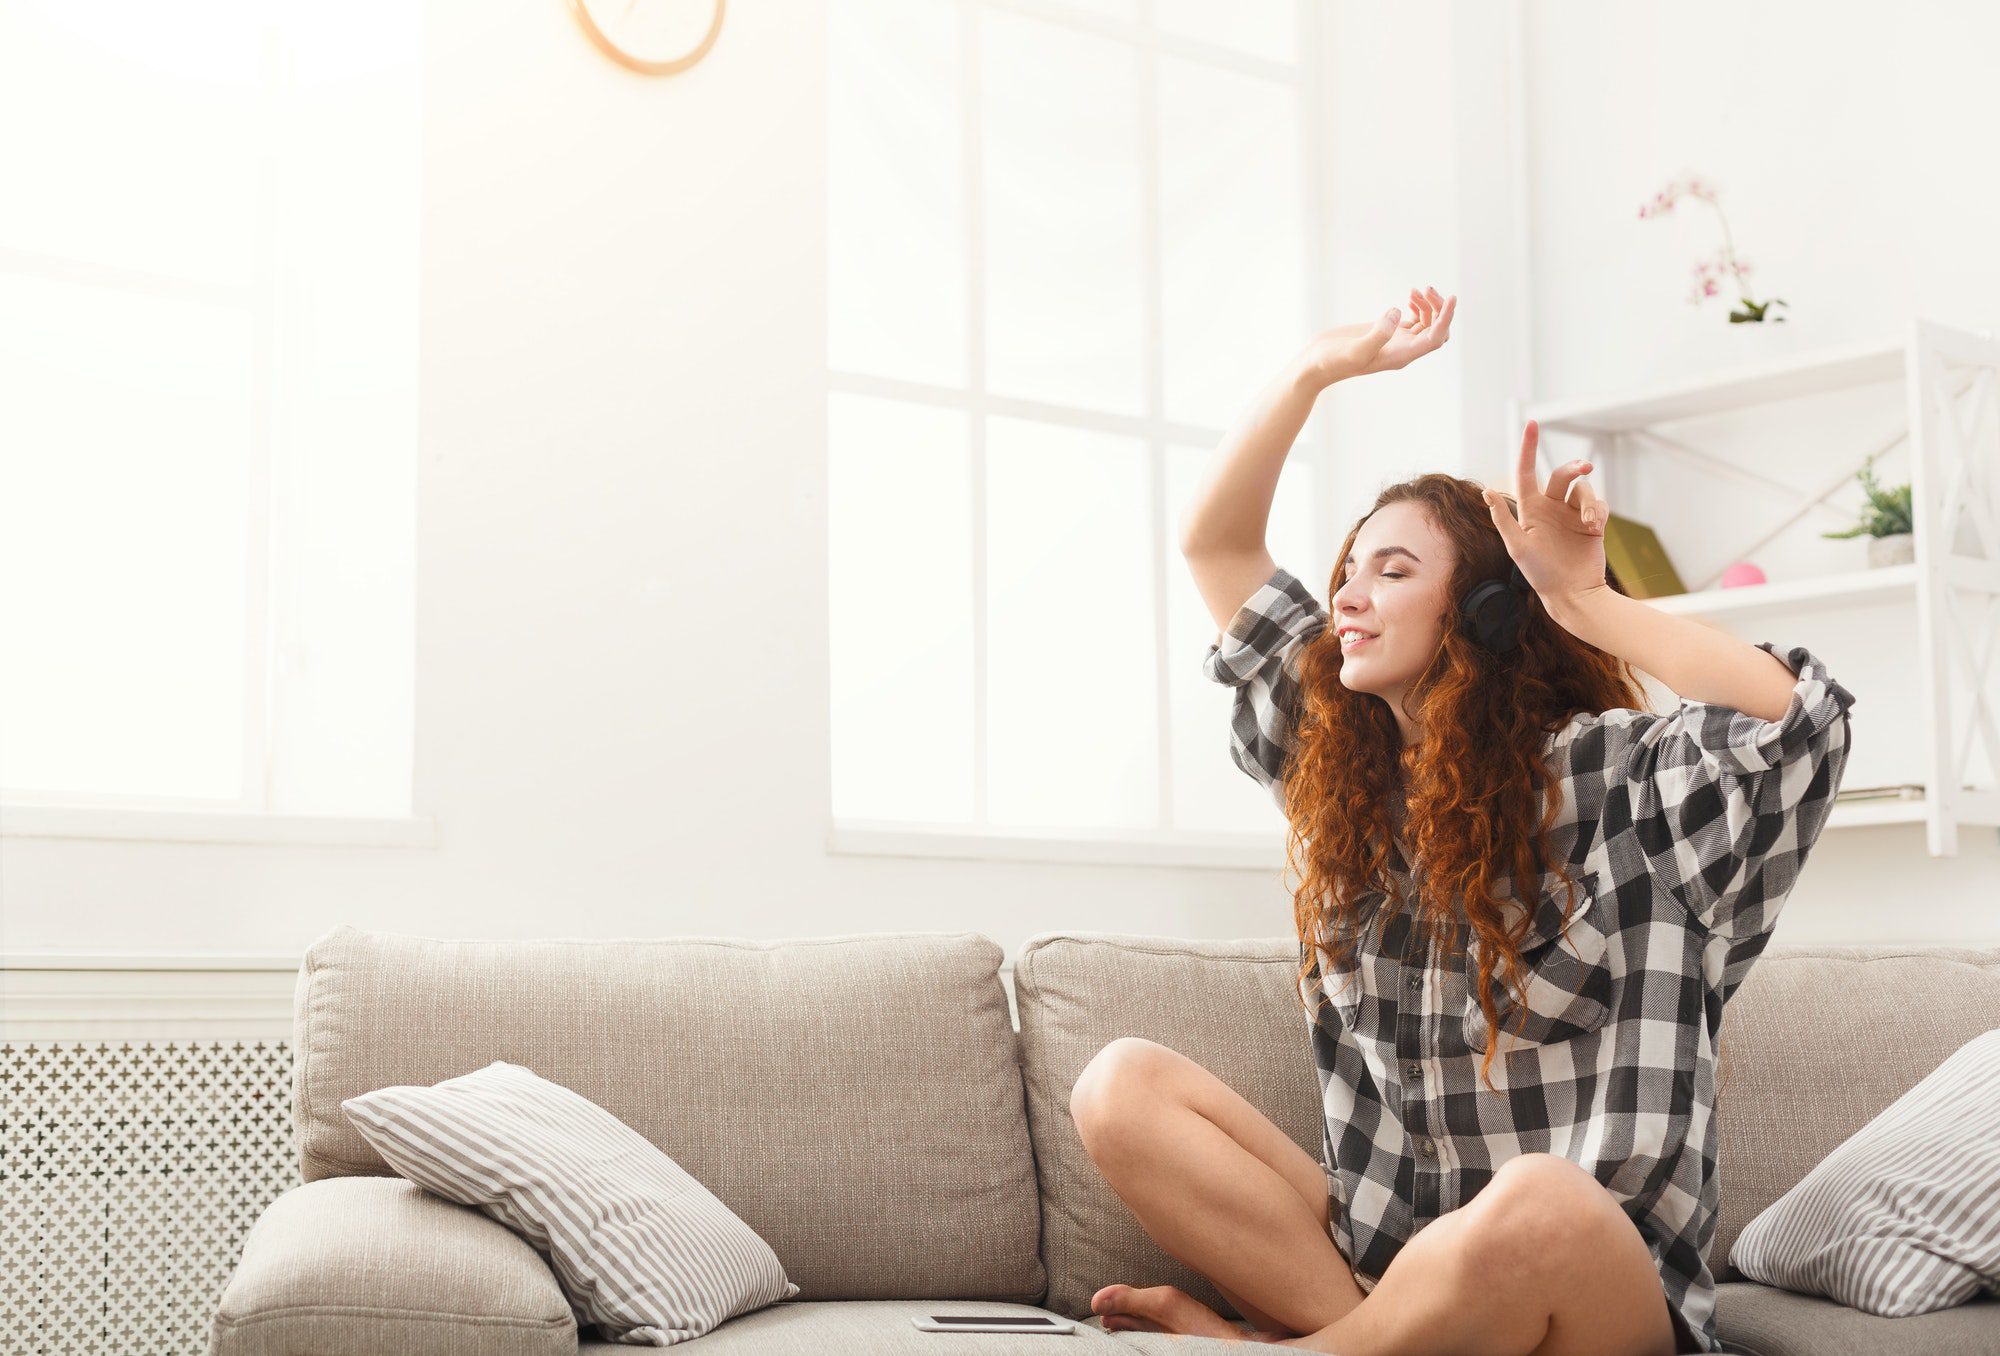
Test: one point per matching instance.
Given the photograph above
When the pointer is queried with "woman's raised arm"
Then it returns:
(1223, 530)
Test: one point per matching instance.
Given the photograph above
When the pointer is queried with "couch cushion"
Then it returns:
(646, 1254)
(884, 1328)
(1761, 1320)
(1903, 1218)
(357, 1266)
(1816, 1042)
(854, 1099)
(1231, 1006)
(1173, 1344)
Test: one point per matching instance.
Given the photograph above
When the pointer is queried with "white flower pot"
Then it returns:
(1898, 548)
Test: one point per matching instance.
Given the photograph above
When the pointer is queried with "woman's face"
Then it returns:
(1393, 587)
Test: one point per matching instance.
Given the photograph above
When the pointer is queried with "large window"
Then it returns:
(1069, 243)
(208, 306)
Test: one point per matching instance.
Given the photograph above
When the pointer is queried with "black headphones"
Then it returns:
(1494, 612)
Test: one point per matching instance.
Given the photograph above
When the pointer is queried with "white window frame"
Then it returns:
(270, 604)
(1162, 846)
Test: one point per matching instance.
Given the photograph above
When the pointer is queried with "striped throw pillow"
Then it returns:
(641, 1248)
(1904, 1217)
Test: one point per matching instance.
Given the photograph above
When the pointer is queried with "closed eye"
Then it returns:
(1391, 574)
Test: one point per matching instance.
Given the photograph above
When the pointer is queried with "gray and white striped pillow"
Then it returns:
(638, 1245)
(1904, 1217)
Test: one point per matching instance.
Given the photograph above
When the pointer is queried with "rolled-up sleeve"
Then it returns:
(1726, 806)
(1258, 656)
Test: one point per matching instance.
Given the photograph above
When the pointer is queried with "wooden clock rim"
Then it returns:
(626, 59)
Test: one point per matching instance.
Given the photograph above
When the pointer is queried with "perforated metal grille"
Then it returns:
(129, 1176)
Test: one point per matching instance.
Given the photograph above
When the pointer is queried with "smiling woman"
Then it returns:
(1430, 716)
(1486, 949)
(1397, 602)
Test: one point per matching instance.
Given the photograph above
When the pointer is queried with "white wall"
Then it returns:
(1853, 146)
(621, 645)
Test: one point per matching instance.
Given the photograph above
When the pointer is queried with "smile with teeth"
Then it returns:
(1350, 638)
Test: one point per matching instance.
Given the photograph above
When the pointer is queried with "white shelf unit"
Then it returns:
(1952, 379)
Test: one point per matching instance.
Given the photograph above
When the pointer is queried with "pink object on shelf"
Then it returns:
(1740, 574)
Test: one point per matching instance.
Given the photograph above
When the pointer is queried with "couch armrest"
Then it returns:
(365, 1265)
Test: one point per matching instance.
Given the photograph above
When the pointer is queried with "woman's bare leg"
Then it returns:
(1541, 1262)
(1215, 1184)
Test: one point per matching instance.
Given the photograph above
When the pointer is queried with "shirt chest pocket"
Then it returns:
(1352, 984)
(1568, 975)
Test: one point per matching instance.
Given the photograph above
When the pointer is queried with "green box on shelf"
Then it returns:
(1633, 553)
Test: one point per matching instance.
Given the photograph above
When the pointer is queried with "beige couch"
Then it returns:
(867, 1104)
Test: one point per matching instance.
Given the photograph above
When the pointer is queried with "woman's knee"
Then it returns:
(1539, 1212)
(1122, 1081)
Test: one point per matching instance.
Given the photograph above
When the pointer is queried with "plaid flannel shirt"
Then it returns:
(1685, 833)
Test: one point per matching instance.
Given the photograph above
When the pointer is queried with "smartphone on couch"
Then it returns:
(992, 1323)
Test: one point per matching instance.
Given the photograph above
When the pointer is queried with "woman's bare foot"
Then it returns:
(1160, 1308)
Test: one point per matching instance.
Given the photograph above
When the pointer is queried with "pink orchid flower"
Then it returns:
(1708, 273)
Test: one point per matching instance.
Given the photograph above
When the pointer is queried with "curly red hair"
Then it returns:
(1479, 797)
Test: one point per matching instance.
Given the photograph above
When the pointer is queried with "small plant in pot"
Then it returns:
(1886, 520)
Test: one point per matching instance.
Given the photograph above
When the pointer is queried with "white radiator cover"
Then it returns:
(130, 1173)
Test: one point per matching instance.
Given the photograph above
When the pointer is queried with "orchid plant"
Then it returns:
(1709, 273)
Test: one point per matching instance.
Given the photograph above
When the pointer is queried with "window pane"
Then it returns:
(125, 453)
(899, 558)
(348, 280)
(1263, 28)
(895, 191)
(1234, 286)
(1212, 794)
(1062, 216)
(147, 113)
(1072, 728)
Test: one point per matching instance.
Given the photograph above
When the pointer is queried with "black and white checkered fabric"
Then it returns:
(1685, 833)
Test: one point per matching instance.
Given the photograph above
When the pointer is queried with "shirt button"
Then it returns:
(1416, 1071)
(1426, 1147)
(1416, 984)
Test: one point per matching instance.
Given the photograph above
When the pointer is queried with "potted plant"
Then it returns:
(1886, 520)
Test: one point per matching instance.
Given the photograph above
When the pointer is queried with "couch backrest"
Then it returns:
(1815, 1042)
(855, 1099)
(1231, 1006)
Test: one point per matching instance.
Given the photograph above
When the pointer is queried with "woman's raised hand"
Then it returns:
(1558, 539)
(1394, 340)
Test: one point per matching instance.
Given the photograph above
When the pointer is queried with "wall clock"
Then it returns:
(653, 37)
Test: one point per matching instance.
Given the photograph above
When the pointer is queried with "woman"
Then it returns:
(1518, 1083)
